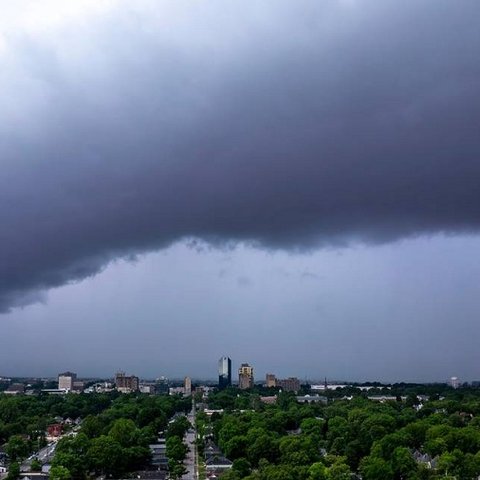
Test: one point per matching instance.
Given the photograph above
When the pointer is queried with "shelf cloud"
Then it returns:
(292, 125)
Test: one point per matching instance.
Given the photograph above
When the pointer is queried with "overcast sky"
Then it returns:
(295, 184)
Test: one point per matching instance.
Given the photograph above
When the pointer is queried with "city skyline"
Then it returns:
(294, 184)
(267, 377)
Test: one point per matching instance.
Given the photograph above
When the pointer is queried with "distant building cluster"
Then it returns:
(68, 381)
(246, 377)
(290, 384)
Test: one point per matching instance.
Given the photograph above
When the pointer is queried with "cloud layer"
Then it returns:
(286, 124)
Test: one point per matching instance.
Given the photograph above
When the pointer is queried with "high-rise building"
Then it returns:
(224, 372)
(187, 386)
(245, 376)
(126, 384)
(161, 385)
(66, 380)
(271, 380)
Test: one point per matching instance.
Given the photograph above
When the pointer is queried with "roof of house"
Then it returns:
(33, 475)
(218, 460)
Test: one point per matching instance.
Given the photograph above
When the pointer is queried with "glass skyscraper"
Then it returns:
(224, 372)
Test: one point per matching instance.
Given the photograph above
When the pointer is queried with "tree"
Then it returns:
(232, 475)
(354, 453)
(374, 468)
(60, 473)
(436, 446)
(177, 471)
(71, 460)
(312, 426)
(242, 467)
(403, 463)
(92, 426)
(136, 457)
(176, 449)
(178, 427)
(13, 471)
(339, 471)
(124, 431)
(452, 463)
(17, 448)
(317, 471)
(412, 400)
(337, 427)
(298, 450)
(236, 447)
(264, 446)
(375, 427)
(105, 455)
(283, 472)
(36, 466)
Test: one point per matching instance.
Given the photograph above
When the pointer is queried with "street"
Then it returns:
(44, 455)
(191, 458)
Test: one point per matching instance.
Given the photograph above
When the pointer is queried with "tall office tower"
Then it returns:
(271, 380)
(224, 372)
(245, 376)
(66, 380)
(187, 386)
(161, 385)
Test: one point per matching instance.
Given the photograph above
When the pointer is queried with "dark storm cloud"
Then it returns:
(287, 124)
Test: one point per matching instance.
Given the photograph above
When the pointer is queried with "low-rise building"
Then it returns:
(54, 391)
(312, 399)
(425, 459)
(159, 454)
(146, 388)
(15, 389)
(269, 400)
(54, 430)
(210, 411)
(176, 390)
(385, 398)
(215, 462)
(78, 385)
(33, 476)
(100, 387)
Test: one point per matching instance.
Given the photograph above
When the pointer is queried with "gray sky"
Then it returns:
(294, 184)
